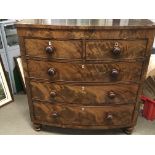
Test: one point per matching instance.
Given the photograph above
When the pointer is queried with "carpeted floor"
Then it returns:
(14, 120)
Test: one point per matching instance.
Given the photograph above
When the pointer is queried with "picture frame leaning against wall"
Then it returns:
(6, 95)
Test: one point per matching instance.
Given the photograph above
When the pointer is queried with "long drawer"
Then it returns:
(84, 94)
(83, 115)
(115, 49)
(105, 72)
(54, 49)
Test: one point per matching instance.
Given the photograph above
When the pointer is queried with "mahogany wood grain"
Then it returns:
(26, 74)
(62, 49)
(83, 62)
(84, 94)
(103, 50)
(83, 115)
(85, 72)
(87, 34)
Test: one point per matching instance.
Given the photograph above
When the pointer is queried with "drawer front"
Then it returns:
(54, 49)
(84, 94)
(106, 72)
(102, 50)
(83, 115)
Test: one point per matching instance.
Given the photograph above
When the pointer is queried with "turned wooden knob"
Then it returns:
(114, 73)
(51, 71)
(116, 51)
(109, 117)
(111, 94)
(53, 94)
(50, 49)
(55, 114)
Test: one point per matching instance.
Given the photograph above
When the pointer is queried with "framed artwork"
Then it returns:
(18, 62)
(6, 95)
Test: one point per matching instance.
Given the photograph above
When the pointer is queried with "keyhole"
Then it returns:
(82, 66)
(116, 43)
(83, 88)
(49, 43)
(82, 109)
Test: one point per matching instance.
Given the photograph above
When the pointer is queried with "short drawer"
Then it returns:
(84, 94)
(105, 72)
(115, 49)
(83, 115)
(54, 49)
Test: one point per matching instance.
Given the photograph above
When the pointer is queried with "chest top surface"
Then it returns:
(87, 23)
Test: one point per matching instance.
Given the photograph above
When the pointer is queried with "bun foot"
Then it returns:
(36, 127)
(128, 130)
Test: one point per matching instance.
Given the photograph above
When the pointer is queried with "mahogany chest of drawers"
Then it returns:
(85, 74)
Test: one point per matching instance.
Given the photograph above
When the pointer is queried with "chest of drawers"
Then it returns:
(85, 74)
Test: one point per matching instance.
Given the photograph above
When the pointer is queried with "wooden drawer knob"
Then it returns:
(111, 94)
(114, 73)
(50, 49)
(116, 51)
(51, 71)
(53, 94)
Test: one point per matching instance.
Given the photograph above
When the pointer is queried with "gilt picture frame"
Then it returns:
(6, 95)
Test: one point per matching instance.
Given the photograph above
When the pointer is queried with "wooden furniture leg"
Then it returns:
(37, 127)
(128, 130)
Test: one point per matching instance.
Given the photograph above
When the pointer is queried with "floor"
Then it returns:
(14, 120)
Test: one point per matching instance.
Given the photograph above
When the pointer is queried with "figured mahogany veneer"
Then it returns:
(83, 115)
(104, 49)
(78, 72)
(84, 94)
(85, 74)
(62, 49)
